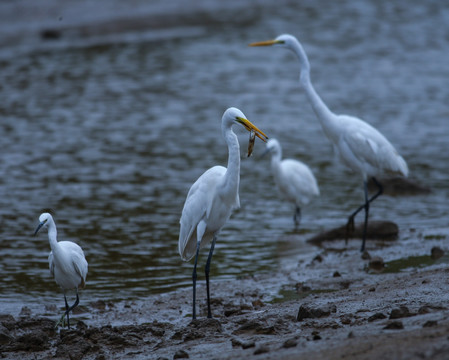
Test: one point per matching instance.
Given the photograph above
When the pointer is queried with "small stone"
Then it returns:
(306, 311)
(346, 319)
(394, 325)
(350, 335)
(257, 303)
(248, 344)
(261, 350)
(181, 354)
(372, 289)
(336, 274)
(5, 336)
(376, 316)
(436, 253)
(26, 311)
(366, 255)
(236, 342)
(400, 312)
(290, 343)
(430, 323)
(376, 263)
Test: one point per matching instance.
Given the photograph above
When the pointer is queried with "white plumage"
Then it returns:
(212, 198)
(358, 145)
(294, 179)
(67, 263)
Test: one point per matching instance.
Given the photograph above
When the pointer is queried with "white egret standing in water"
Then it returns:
(358, 145)
(211, 200)
(293, 178)
(67, 263)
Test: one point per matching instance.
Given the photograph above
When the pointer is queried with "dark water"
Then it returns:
(110, 132)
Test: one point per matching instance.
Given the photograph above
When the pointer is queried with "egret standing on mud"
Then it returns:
(358, 145)
(211, 200)
(67, 263)
(294, 179)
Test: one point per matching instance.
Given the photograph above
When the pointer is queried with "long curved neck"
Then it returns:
(52, 233)
(319, 107)
(232, 176)
(275, 165)
(276, 159)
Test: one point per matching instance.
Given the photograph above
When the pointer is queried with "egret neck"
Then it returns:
(231, 179)
(325, 116)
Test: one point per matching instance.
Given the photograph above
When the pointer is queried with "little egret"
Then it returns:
(67, 263)
(294, 179)
(358, 145)
(211, 200)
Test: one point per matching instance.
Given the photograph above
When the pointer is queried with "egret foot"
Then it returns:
(62, 321)
(350, 227)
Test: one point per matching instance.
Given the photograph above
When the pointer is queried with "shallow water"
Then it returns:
(111, 131)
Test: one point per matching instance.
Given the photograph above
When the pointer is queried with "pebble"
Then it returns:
(289, 343)
(436, 253)
(400, 312)
(306, 311)
(394, 325)
(376, 316)
(181, 354)
(262, 349)
(376, 263)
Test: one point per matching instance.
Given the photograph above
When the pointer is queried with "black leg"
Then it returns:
(297, 216)
(207, 270)
(365, 225)
(68, 309)
(194, 280)
(350, 223)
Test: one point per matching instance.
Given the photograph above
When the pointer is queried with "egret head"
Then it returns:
(234, 115)
(44, 218)
(284, 40)
(273, 147)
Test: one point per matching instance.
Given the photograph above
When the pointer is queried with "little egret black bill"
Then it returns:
(67, 263)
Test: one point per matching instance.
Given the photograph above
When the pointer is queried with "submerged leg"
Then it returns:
(350, 223)
(297, 216)
(194, 279)
(207, 270)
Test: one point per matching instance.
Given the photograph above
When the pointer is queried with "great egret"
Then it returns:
(211, 200)
(67, 263)
(358, 145)
(293, 178)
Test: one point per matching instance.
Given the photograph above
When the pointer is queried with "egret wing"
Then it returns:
(372, 151)
(51, 264)
(78, 260)
(199, 200)
(300, 180)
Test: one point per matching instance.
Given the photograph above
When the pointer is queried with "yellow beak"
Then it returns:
(264, 43)
(250, 126)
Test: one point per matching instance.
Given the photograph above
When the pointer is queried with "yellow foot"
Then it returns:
(62, 321)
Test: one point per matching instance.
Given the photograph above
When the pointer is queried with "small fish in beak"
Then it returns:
(252, 139)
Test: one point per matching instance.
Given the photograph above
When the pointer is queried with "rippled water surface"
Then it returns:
(111, 131)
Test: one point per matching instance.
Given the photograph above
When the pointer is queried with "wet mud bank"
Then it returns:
(331, 306)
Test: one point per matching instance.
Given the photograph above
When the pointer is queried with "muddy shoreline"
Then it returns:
(332, 305)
